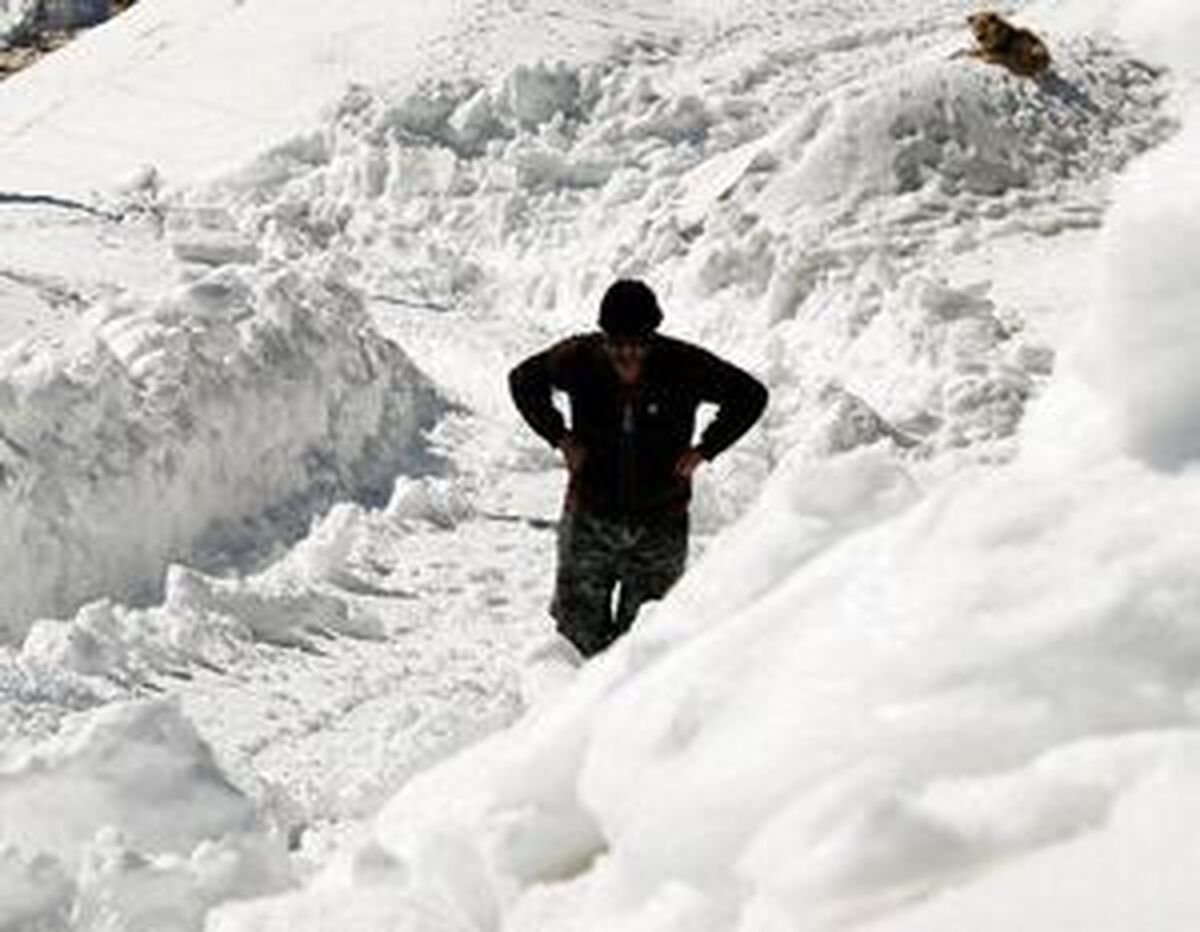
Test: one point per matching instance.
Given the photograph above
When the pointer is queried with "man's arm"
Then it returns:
(531, 384)
(740, 400)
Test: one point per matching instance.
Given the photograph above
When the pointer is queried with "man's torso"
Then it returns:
(633, 435)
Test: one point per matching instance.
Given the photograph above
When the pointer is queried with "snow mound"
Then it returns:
(861, 683)
(80, 849)
(1143, 363)
(917, 362)
(792, 243)
(202, 621)
(1029, 693)
(960, 127)
(440, 502)
(151, 750)
(165, 429)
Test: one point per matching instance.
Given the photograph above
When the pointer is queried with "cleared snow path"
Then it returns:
(343, 723)
(436, 600)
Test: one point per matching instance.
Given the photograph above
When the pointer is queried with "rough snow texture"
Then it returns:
(904, 737)
(973, 707)
(191, 87)
(207, 621)
(955, 686)
(383, 642)
(83, 849)
(787, 216)
(163, 429)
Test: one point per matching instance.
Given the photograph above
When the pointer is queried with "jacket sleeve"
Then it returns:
(740, 400)
(531, 384)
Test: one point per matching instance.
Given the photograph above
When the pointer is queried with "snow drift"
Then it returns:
(1142, 359)
(164, 429)
(83, 848)
(796, 242)
(208, 622)
(903, 736)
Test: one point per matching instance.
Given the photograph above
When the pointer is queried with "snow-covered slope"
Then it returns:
(943, 655)
(190, 86)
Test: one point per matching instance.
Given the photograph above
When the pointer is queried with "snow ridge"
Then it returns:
(161, 430)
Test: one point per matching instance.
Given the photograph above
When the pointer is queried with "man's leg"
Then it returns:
(586, 577)
(651, 565)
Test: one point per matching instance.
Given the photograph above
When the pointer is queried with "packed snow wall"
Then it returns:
(171, 429)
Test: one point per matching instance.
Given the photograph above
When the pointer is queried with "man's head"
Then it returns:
(629, 314)
(629, 309)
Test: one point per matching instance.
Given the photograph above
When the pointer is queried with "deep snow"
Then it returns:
(935, 671)
(226, 400)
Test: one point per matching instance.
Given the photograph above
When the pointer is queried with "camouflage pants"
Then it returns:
(639, 559)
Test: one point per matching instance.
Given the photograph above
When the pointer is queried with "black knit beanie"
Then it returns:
(629, 309)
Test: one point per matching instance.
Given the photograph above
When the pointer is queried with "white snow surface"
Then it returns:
(165, 864)
(1143, 364)
(934, 667)
(225, 400)
(189, 87)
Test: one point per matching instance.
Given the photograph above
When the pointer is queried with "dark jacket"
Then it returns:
(632, 438)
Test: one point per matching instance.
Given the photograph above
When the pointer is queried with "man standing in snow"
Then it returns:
(630, 453)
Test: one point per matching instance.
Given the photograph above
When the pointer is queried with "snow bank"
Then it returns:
(1137, 358)
(1004, 669)
(164, 430)
(795, 243)
(937, 654)
(957, 128)
(1142, 358)
(915, 361)
(202, 621)
(1115, 879)
(81, 849)
(60, 793)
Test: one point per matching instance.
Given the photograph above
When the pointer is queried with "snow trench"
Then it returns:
(185, 427)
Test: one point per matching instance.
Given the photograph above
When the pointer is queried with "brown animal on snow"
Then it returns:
(1001, 43)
